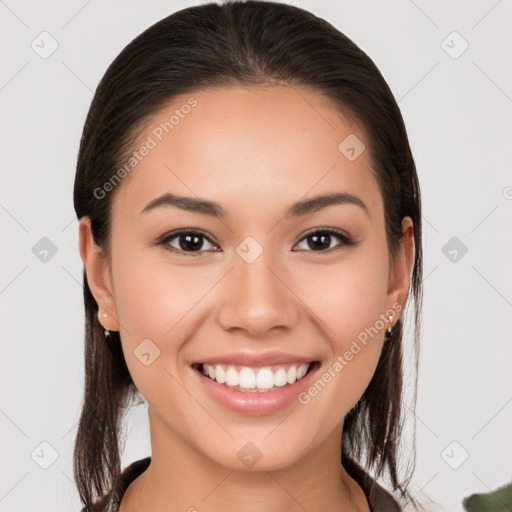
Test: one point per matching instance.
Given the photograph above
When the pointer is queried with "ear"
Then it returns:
(401, 268)
(98, 275)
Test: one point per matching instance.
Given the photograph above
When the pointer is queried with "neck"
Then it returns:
(180, 478)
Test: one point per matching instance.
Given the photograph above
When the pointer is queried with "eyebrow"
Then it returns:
(210, 208)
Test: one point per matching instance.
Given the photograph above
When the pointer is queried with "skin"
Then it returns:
(256, 151)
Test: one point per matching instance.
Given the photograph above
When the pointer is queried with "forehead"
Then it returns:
(248, 148)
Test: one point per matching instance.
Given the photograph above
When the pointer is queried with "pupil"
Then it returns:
(192, 242)
(324, 239)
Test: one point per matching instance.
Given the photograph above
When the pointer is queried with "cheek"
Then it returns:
(348, 301)
(350, 320)
(153, 295)
(157, 302)
(347, 298)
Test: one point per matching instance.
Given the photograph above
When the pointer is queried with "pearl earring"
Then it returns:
(389, 332)
(107, 332)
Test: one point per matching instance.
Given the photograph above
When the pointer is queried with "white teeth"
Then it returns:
(247, 379)
(232, 377)
(220, 375)
(280, 377)
(261, 379)
(301, 372)
(265, 379)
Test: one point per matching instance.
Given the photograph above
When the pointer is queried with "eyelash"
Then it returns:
(346, 240)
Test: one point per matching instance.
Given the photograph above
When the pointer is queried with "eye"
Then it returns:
(187, 241)
(192, 241)
(320, 240)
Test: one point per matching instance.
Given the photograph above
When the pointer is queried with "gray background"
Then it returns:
(458, 112)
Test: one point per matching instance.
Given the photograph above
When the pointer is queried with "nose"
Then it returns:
(257, 298)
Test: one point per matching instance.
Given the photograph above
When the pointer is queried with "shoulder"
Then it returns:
(379, 499)
(128, 475)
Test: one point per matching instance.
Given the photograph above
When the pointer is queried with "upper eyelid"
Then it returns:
(333, 231)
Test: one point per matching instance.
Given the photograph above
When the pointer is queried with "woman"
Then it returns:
(250, 226)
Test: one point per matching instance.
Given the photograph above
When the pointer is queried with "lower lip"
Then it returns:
(256, 403)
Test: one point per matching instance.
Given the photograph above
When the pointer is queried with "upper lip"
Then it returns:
(256, 359)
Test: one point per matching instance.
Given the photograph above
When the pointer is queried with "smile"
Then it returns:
(251, 379)
(255, 390)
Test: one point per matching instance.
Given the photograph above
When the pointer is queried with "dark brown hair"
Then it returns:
(240, 43)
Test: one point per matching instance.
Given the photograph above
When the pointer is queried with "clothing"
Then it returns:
(378, 498)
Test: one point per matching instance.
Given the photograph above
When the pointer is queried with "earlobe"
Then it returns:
(98, 275)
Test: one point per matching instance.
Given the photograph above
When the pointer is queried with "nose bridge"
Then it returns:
(257, 299)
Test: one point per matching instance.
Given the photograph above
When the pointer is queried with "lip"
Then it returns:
(255, 403)
(256, 359)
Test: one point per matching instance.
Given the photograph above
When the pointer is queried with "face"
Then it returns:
(258, 289)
